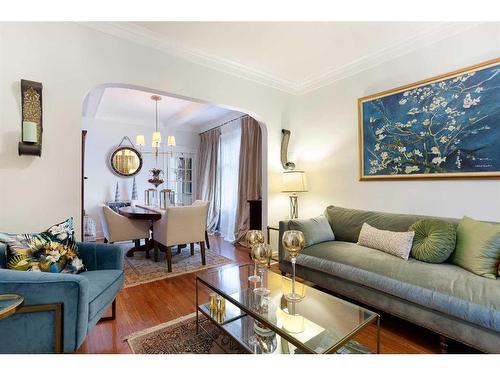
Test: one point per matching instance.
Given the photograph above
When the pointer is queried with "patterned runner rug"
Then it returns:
(139, 270)
(179, 337)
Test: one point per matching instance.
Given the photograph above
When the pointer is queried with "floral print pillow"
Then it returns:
(51, 251)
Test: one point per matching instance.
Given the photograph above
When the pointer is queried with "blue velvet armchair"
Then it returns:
(84, 298)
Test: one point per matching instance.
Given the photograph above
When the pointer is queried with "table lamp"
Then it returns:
(294, 182)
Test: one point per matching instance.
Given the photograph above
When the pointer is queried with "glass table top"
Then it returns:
(9, 303)
(319, 323)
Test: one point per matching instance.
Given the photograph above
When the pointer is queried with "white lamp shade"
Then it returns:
(171, 140)
(139, 140)
(155, 142)
(157, 137)
(294, 182)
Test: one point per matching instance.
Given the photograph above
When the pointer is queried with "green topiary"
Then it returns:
(434, 240)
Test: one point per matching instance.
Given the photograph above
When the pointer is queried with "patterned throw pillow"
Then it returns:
(51, 251)
(395, 243)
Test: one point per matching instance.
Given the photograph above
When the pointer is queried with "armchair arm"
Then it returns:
(100, 256)
(34, 332)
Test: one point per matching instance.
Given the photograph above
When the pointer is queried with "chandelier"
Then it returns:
(156, 137)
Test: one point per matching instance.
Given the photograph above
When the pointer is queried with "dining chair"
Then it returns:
(118, 228)
(181, 225)
(199, 202)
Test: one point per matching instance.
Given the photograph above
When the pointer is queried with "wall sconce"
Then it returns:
(31, 128)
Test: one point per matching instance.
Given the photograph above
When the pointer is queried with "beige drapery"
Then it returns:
(207, 187)
(250, 174)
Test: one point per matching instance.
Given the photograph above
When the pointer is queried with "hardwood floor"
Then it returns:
(147, 305)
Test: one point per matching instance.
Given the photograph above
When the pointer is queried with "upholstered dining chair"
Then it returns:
(118, 228)
(181, 225)
(201, 203)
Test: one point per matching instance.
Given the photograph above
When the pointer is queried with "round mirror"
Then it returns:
(126, 161)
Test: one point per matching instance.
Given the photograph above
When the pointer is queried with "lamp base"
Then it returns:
(294, 206)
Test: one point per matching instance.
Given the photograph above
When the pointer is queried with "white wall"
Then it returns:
(70, 59)
(324, 138)
(102, 138)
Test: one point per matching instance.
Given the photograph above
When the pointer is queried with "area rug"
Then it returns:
(179, 337)
(139, 270)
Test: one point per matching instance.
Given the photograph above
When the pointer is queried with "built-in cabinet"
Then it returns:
(181, 177)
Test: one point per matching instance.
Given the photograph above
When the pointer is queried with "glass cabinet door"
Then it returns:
(180, 178)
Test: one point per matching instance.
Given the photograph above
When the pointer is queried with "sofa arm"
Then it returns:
(34, 332)
(283, 226)
(100, 256)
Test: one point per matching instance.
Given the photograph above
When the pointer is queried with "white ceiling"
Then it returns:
(130, 106)
(293, 56)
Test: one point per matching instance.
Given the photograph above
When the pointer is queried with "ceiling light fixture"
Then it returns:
(156, 138)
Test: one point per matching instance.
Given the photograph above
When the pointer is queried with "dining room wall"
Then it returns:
(104, 136)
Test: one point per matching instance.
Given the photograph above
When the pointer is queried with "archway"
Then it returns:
(95, 94)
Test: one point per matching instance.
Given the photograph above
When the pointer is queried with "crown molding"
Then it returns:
(417, 41)
(142, 36)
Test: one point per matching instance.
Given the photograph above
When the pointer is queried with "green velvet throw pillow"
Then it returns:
(316, 230)
(434, 240)
(478, 247)
(52, 251)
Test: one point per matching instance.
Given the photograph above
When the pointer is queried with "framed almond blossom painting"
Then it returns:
(444, 127)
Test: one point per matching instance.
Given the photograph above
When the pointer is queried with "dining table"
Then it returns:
(142, 213)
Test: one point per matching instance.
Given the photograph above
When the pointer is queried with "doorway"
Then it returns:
(101, 187)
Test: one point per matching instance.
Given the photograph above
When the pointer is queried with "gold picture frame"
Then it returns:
(437, 158)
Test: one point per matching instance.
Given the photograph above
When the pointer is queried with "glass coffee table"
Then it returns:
(319, 323)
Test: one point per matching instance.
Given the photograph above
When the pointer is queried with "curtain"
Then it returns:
(250, 172)
(230, 140)
(207, 187)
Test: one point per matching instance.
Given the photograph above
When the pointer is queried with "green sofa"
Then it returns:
(444, 298)
(84, 299)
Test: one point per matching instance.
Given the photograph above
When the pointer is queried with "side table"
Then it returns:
(9, 304)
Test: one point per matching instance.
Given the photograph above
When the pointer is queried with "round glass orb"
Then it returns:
(254, 237)
(293, 241)
(261, 254)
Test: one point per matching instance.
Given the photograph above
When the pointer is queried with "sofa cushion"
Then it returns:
(346, 223)
(316, 230)
(443, 287)
(478, 247)
(104, 285)
(394, 243)
(434, 240)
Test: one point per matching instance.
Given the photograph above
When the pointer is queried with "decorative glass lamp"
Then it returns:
(294, 182)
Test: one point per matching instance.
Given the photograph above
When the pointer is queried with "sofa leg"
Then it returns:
(283, 273)
(444, 344)
(105, 240)
(191, 247)
(113, 312)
